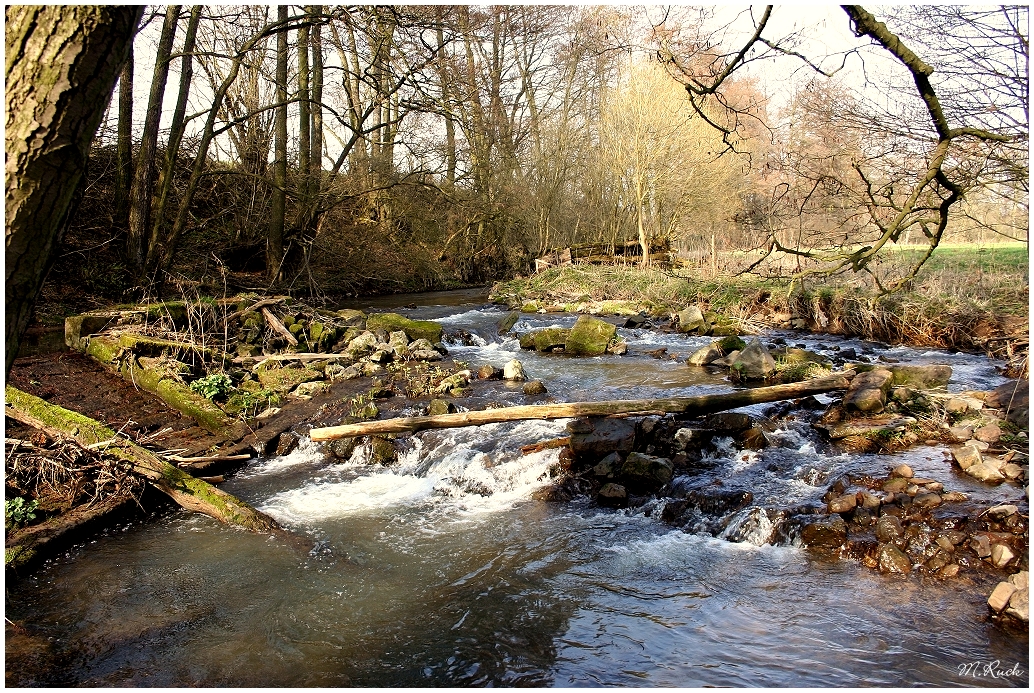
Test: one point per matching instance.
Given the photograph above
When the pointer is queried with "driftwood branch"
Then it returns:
(693, 406)
(275, 323)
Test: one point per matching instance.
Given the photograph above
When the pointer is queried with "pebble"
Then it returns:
(927, 500)
(981, 545)
(893, 560)
(842, 504)
(1000, 512)
(1001, 555)
(949, 571)
(868, 500)
(888, 528)
(935, 486)
(999, 598)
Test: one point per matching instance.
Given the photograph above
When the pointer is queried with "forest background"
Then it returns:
(340, 151)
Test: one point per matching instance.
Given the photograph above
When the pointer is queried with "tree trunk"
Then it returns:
(192, 494)
(304, 115)
(692, 406)
(62, 63)
(124, 179)
(316, 135)
(176, 129)
(278, 210)
(143, 177)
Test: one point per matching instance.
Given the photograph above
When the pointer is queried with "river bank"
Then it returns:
(487, 472)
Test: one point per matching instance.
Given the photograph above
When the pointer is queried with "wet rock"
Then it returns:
(888, 528)
(704, 356)
(608, 466)
(861, 517)
(966, 456)
(988, 434)
(691, 438)
(842, 504)
(960, 433)
(646, 472)
(634, 322)
(903, 471)
(607, 435)
(893, 560)
(507, 323)
(1013, 398)
(618, 348)
(438, 407)
(334, 372)
(1012, 471)
(1000, 512)
(922, 377)
(729, 422)
(753, 363)
(868, 391)
(342, 448)
(948, 571)
(988, 472)
(867, 500)
(612, 496)
(286, 443)
(1001, 555)
(938, 561)
(1001, 595)
(927, 501)
(1019, 602)
(534, 387)
(981, 545)
(589, 337)
(490, 372)
(829, 533)
(545, 341)
(691, 319)
(382, 451)
(514, 370)
(895, 485)
(579, 426)
(753, 439)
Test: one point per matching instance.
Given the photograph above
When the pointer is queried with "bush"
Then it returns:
(212, 386)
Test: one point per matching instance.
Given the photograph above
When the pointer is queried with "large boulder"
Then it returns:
(921, 377)
(603, 437)
(754, 362)
(415, 329)
(691, 319)
(545, 340)
(589, 337)
(868, 391)
(1012, 398)
(645, 472)
(514, 370)
(704, 355)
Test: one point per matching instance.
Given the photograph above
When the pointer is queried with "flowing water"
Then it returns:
(443, 570)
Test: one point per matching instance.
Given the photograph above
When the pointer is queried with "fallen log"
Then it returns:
(693, 406)
(187, 491)
(279, 327)
(546, 445)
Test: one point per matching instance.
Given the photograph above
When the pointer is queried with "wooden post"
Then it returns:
(695, 406)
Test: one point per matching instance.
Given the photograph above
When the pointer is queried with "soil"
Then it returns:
(76, 382)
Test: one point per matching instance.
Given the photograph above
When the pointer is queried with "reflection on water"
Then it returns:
(443, 570)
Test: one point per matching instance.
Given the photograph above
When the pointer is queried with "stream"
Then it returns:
(442, 570)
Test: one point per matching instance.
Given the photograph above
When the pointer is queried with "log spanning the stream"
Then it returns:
(692, 406)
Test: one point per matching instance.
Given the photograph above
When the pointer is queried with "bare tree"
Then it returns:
(62, 64)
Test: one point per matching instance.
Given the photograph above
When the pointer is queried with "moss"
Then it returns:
(352, 317)
(618, 308)
(17, 556)
(730, 343)
(84, 428)
(414, 329)
(589, 337)
(551, 337)
(103, 349)
(284, 380)
(208, 415)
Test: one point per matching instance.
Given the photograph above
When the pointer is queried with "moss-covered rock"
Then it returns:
(152, 346)
(352, 317)
(414, 329)
(283, 380)
(548, 339)
(729, 344)
(102, 348)
(589, 337)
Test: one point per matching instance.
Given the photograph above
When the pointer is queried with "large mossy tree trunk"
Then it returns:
(62, 64)
(189, 492)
